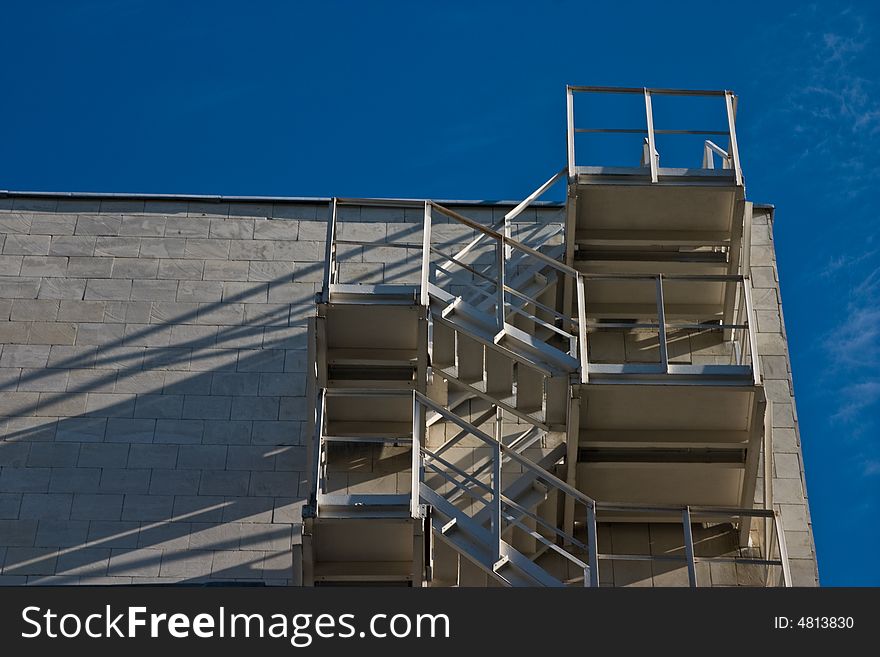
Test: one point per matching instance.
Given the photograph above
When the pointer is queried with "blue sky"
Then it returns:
(446, 100)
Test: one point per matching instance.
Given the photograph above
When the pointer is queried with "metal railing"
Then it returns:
(732, 318)
(319, 495)
(504, 300)
(769, 552)
(484, 275)
(484, 487)
(730, 157)
(502, 513)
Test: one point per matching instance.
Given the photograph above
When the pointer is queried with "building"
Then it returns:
(338, 391)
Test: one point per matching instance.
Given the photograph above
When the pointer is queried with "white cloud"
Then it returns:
(859, 396)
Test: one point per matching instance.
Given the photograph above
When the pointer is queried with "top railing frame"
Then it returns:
(730, 100)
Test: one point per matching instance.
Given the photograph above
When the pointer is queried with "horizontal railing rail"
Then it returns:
(730, 158)
(733, 317)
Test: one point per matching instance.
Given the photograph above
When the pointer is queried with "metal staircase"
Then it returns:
(487, 418)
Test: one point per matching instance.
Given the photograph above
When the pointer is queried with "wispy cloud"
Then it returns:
(829, 104)
(859, 396)
(830, 100)
(871, 468)
(844, 262)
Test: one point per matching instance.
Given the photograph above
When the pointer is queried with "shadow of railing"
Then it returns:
(231, 516)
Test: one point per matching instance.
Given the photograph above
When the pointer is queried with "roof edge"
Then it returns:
(223, 198)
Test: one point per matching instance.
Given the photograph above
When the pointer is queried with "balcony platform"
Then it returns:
(685, 222)
(652, 443)
(374, 550)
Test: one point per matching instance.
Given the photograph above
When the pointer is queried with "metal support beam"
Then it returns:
(783, 550)
(583, 352)
(312, 399)
(572, 438)
(499, 283)
(750, 473)
(496, 496)
(593, 544)
(753, 332)
(652, 146)
(747, 239)
(329, 252)
(661, 326)
(768, 471)
(569, 109)
(689, 546)
(729, 100)
(418, 427)
(426, 255)
(737, 239)
(566, 290)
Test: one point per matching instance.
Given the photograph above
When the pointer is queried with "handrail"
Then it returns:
(710, 147)
(510, 216)
(523, 461)
(639, 90)
(504, 222)
(708, 278)
(742, 322)
(330, 252)
(502, 290)
(501, 238)
(527, 201)
(731, 160)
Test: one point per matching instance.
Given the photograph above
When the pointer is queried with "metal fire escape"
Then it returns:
(489, 419)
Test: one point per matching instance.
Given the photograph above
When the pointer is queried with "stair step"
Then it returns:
(524, 483)
(530, 500)
(509, 407)
(473, 543)
(442, 344)
(482, 466)
(557, 399)
(555, 359)
(529, 389)
(499, 374)
(469, 358)
(454, 400)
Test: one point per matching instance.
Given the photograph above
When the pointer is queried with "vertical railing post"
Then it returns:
(747, 239)
(499, 301)
(768, 551)
(752, 329)
(661, 325)
(733, 151)
(417, 429)
(582, 329)
(318, 449)
(689, 546)
(496, 498)
(426, 254)
(768, 469)
(652, 146)
(783, 550)
(592, 544)
(569, 106)
(329, 252)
